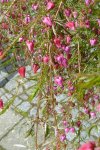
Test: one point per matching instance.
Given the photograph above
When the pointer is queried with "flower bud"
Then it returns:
(22, 71)
(47, 21)
(70, 25)
(50, 5)
(30, 45)
(93, 42)
(1, 104)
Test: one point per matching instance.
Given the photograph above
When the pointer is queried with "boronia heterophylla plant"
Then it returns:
(59, 39)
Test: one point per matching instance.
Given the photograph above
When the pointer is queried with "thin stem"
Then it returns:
(58, 9)
(79, 59)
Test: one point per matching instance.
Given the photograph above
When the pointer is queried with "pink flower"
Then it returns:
(76, 24)
(92, 114)
(1, 104)
(95, 97)
(67, 49)
(72, 130)
(30, 45)
(88, 2)
(93, 42)
(57, 42)
(62, 137)
(50, 5)
(21, 39)
(65, 123)
(22, 71)
(67, 130)
(69, 94)
(47, 21)
(3, 1)
(68, 39)
(27, 19)
(71, 88)
(67, 12)
(87, 24)
(46, 59)
(5, 25)
(88, 146)
(34, 7)
(58, 80)
(75, 14)
(98, 22)
(86, 110)
(70, 25)
(98, 107)
(35, 68)
(61, 60)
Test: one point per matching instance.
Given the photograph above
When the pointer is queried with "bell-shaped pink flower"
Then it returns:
(21, 39)
(68, 39)
(65, 123)
(93, 42)
(27, 19)
(22, 71)
(58, 80)
(67, 130)
(75, 14)
(72, 129)
(70, 25)
(67, 49)
(96, 97)
(1, 104)
(92, 114)
(86, 110)
(87, 24)
(67, 12)
(62, 137)
(30, 45)
(35, 68)
(47, 21)
(61, 60)
(46, 59)
(50, 5)
(34, 7)
(98, 107)
(5, 26)
(88, 146)
(57, 42)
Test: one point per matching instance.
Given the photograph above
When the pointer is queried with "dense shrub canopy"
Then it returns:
(59, 39)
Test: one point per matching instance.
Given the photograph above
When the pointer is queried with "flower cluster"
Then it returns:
(60, 41)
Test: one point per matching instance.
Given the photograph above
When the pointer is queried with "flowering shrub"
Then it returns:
(59, 39)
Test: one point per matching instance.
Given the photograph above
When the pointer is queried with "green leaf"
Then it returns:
(21, 112)
(34, 93)
(90, 129)
(30, 132)
(47, 131)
